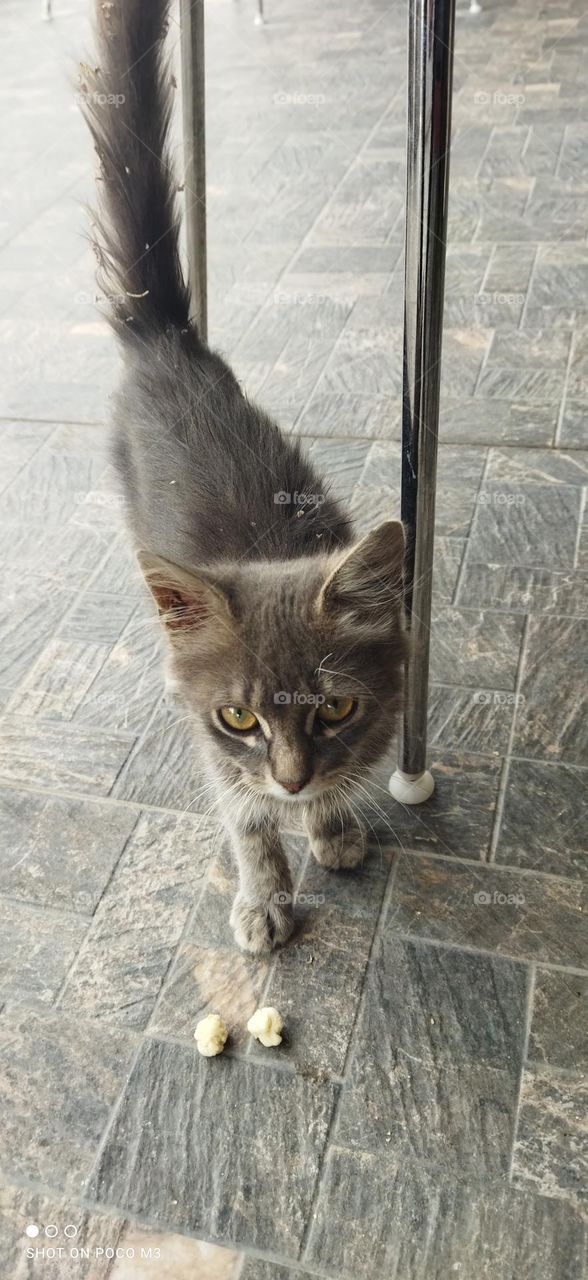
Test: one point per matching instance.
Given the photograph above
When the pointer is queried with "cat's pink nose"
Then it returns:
(295, 785)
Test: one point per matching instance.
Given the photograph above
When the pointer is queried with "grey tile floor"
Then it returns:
(426, 1116)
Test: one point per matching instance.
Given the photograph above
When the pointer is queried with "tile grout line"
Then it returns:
(86, 939)
(313, 1206)
(524, 1056)
(580, 531)
(501, 796)
(462, 567)
(550, 965)
(564, 392)
(523, 317)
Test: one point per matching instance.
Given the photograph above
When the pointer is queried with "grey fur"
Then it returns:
(266, 600)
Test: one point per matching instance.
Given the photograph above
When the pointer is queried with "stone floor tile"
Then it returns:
(364, 363)
(329, 413)
(551, 722)
(207, 979)
(574, 425)
(541, 466)
(463, 719)
(162, 1168)
(490, 909)
(561, 272)
(51, 487)
(28, 617)
(61, 757)
(458, 478)
(559, 1028)
(37, 949)
(430, 1226)
(316, 980)
(58, 1085)
(447, 558)
(161, 770)
(71, 553)
(57, 684)
(19, 442)
(172, 1257)
(489, 422)
(341, 462)
(506, 383)
(437, 1059)
(99, 618)
(551, 1148)
(520, 590)
(255, 1269)
(119, 573)
(458, 818)
(479, 649)
(544, 819)
(130, 683)
(59, 852)
(140, 919)
(529, 525)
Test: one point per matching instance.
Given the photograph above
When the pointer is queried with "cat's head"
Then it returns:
(293, 669)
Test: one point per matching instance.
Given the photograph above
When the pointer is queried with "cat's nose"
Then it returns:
(295, 784)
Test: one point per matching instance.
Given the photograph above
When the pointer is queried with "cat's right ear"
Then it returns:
(188, 603)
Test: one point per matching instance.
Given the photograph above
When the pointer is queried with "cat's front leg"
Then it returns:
(336, 839)
(262, 915)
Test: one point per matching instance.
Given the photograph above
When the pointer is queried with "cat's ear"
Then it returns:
(186, 602)
(365, 587)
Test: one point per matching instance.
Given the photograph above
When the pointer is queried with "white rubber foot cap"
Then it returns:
(411, 788)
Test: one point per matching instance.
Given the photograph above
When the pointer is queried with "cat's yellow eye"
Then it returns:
(333, 710)
(239, 718)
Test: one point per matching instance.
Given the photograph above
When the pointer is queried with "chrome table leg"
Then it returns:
(430, 67)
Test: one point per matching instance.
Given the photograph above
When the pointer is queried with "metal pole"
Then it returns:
(430, 69)
(193, 105)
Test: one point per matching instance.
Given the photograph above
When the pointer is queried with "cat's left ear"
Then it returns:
(186, 602)
(365, 587)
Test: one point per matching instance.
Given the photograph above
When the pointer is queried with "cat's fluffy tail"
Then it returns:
(126, 99)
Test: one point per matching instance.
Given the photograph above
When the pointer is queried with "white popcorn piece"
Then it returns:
(265, 1025)
(210, 1035)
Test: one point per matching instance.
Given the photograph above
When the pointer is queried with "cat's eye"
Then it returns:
(333, 710)
(239, 718)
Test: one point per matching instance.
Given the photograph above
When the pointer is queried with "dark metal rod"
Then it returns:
(430, 71)
(193, 107)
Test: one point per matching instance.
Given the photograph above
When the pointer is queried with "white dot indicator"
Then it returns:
(70, 1231)
(51, 1230)
(32, 1230)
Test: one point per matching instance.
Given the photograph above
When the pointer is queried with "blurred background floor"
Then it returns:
(427, 1115)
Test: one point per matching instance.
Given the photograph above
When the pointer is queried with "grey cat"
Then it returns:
(284, 633)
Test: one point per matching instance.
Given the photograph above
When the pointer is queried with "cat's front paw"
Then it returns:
(339, 852)
(260, 927)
